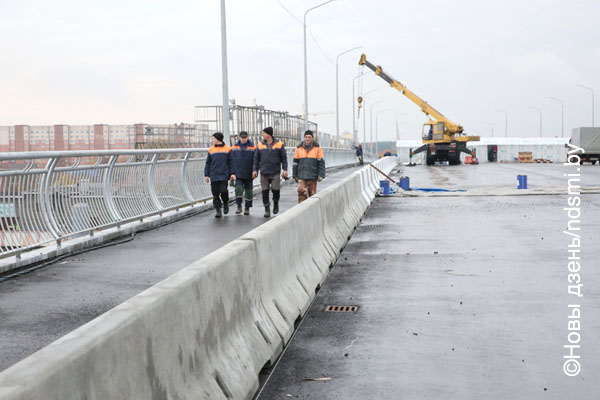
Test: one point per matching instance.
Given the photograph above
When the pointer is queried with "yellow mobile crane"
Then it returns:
(442, 139)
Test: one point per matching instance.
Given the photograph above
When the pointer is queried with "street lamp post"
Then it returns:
(562, 116)
(306, 67)
(337, 97)
(224, 74)
(505, 121)
(397, 131)
(591, 90)
(377, 130)
(540, 111)
(371, 119)
(492, 126)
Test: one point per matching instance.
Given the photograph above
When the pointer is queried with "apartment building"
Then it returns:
(19, 138)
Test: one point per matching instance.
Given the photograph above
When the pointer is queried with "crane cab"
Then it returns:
(433, 130)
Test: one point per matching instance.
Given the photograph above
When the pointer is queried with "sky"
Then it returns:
(128, 61)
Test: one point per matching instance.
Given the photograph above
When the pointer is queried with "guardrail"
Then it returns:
(48, 197)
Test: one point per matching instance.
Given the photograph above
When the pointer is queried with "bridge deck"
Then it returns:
(459, 298)
(42, 306)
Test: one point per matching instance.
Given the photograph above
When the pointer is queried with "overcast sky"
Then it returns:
(127, 61)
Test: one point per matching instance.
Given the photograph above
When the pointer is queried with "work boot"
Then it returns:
(275, 207)
(267, 212)
(225, 208)
(239, 209)
(218, 214)
(246, 211)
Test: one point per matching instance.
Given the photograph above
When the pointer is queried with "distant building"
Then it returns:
(347, 136)
(20, 138)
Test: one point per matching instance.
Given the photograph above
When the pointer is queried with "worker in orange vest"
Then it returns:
(309, 166)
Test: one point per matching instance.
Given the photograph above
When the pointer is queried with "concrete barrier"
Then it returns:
(374, 178)
(337, 223)
(201, 333)
(359, 203)
(341, 206)
(206, 331)
(292, 262)
(371, 180)
(366, 192)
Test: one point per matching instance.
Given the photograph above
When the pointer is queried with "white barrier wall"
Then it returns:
(553, 149)
(206, 331)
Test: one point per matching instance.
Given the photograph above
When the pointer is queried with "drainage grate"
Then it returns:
(372, 226)
(342, 308)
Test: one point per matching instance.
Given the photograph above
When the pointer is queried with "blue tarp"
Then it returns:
(438, 190)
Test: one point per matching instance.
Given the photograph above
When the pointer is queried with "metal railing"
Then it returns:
(48, 197)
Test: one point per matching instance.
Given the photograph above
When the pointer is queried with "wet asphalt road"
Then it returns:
(459, 297)
(40, 307)
(490, 175)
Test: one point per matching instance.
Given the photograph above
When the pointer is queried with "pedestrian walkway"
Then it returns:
(42, 306)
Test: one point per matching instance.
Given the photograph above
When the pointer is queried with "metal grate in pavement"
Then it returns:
(341, 308)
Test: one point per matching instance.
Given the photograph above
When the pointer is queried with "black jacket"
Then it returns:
(243, 159)
(270, 162)
(218, 163)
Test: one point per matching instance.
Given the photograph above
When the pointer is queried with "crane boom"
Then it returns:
(422, 104)
(443, 140)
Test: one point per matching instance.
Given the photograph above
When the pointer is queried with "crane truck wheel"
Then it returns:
(430, 160)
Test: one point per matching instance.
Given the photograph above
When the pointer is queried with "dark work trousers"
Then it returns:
(219, 192)
(272, 182)
(243, 189)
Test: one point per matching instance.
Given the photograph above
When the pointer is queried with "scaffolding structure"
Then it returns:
(287, 128)
(171, 136)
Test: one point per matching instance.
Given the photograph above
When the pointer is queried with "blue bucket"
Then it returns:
(522, 181)
(405, 183)
(385, 187)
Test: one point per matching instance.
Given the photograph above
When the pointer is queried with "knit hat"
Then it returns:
(243, 134)
(268, 130)
(309, 133)
(218, 136)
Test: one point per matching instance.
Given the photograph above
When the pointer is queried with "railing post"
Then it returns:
(46, 199)
(151, 187)
(107, 188)
(184, 182)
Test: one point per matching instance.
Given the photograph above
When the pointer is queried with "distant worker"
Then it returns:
(218, 170)
(309, 166)
(430, 133)
(243, 158)
(270, 159)
(359, 153)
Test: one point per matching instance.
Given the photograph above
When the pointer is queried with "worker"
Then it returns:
(243, 158)
(430, 133)
(218, 170)
(359, 153)
(309, 166)
(270, 159)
